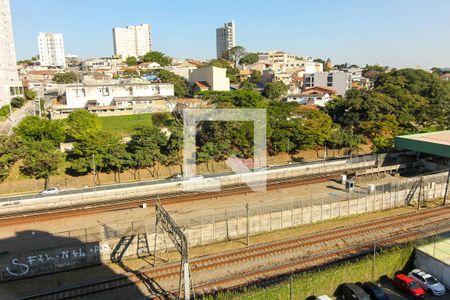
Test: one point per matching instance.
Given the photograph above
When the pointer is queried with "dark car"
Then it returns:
(375, 292)
(350, 291)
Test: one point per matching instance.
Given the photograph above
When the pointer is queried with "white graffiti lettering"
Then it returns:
(24, 268)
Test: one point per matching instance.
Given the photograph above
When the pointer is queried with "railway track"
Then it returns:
(167, 199)
(358, 239)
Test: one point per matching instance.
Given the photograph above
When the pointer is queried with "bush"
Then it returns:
(18, 102)
(30, 94)
(4, 112)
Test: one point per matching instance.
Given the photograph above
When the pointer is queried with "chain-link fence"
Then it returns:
(44, 252)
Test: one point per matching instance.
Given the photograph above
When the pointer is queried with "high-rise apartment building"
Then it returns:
(10, 84)
(132, 41)
(51, 50)
(225, 38)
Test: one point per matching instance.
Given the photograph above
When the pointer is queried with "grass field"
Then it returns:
(125, 125)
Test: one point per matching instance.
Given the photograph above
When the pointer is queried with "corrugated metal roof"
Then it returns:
(435, 143)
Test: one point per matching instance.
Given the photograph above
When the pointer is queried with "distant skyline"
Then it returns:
(401, 33)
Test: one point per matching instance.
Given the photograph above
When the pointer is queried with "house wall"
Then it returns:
(214, 76)
(77, 96)
(341, 81)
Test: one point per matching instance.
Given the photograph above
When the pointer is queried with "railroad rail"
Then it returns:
(279, 258)
(167, 199)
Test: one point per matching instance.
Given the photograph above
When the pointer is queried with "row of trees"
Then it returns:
(36, 144)
(400, 102)
(152, 56)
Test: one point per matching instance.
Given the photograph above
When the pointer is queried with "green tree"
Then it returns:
(247, 85)
(146, 147)
(9, 154)
(130, 73)
(234, 54)
(41, 160)
(352, 142)
(238, 98)
(30, 94)
(232, 71)
(249, 58)
(172, 150)
(131, 61)
(256, 76)
(383, 144)
(66, 78)
(117, 160)
(158, 57)
(180, 84)
(81, 122)
(18, 102)
(275, 90)
(34, 129)
(92, 153)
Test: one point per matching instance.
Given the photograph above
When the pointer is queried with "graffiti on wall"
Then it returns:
(63, 258)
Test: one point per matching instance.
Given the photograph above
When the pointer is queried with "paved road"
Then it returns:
(17, 116)
(141, 183)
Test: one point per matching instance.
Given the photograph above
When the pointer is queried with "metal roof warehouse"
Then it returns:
(435, 143)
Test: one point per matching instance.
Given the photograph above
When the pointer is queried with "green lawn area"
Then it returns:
(125, 125)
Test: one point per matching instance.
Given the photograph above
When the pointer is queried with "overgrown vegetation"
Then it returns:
(326, 281)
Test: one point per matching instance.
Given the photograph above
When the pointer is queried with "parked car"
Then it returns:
(323, 297)
(50, 191)
(175, 177)
(350, 291)
(180, 177)
(427, 282)
(407, 285)
(375, 292)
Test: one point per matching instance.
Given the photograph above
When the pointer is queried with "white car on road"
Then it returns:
(427, 282)
(50, 191)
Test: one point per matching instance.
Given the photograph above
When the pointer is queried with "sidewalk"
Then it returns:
(17, 116)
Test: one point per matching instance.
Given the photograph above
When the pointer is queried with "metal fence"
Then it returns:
(92, 245)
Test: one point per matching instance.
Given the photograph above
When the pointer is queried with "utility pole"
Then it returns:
(93, 168)
(446, 188)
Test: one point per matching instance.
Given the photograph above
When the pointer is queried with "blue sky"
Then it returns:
(398, 33)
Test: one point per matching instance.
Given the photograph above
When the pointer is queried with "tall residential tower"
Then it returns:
(51, 50)
(132, 41)
(225, 38)
(10, 84)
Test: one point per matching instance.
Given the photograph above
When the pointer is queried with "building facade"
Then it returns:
(225, 38)
(114, 94)
(132, 41)
(51, 50)
(339, 81)
(213, 77)
(10, 85)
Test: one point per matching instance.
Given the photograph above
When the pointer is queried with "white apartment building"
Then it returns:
(225, 38)
(114, 94)
(10, 85)
(339, 81)
(215, 78)
(51, 50)
(132, 41)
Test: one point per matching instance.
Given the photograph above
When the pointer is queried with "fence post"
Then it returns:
(321, 209)
(301, 217)
(214, 226)
(292, 212)
(247, 207)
